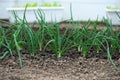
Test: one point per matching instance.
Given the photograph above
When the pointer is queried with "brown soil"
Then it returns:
(71, 66)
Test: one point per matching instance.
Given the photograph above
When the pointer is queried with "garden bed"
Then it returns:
(59, 51)
(70, 66)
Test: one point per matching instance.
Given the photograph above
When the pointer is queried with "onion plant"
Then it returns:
(117, 38)
(41, 32)
(113, 36)
(83, 38)
(106, 46)
(7, 42)
(17, 48)
(97, 40)
(30, 39)
(97, 36)
(60, 42)
(1, 36)
(4, 44)
(111, 42)
(27, 34)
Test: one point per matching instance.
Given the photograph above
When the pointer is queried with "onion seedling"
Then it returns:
(7, 43)
(83, 38)
(60, 43)
(106, 46)
(41, 32)
(28, 35)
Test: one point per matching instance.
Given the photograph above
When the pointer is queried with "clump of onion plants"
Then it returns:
(16, 37)
(59, 42)
(41, 32)
(106, 46)
(4, 44)
(112, 36)
(7, 42)
(26, 33)
(86, 39)
(111, 42)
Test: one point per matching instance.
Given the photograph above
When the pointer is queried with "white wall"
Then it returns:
(85, 9)
(3, 5)
(82, 9)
